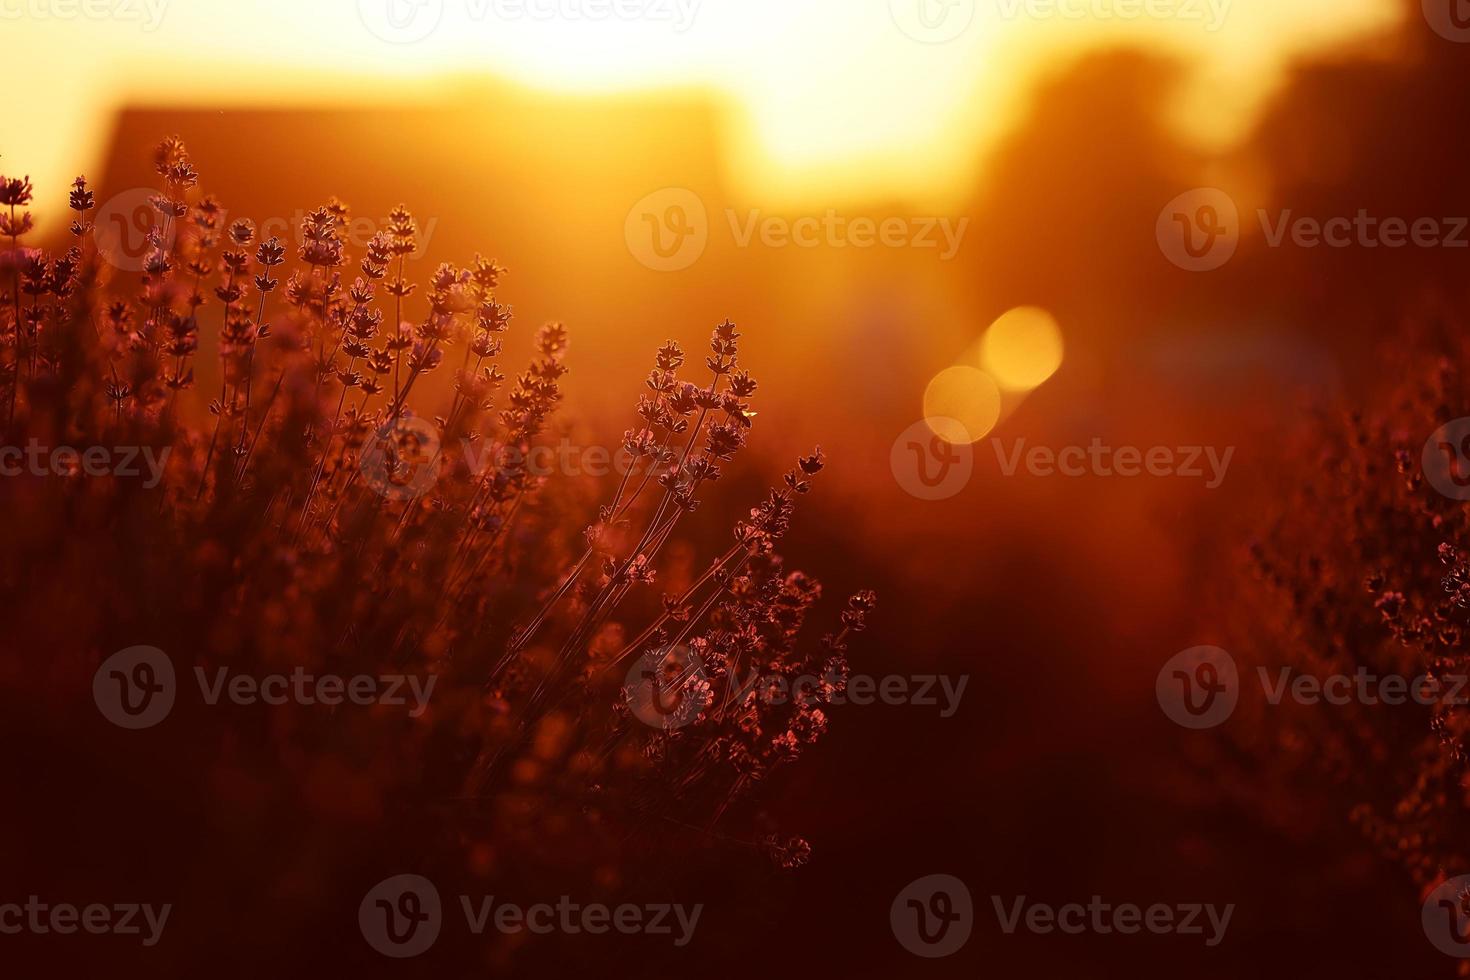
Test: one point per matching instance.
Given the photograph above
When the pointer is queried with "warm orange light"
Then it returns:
(1022, 348)
(831, 104)
(961, 404)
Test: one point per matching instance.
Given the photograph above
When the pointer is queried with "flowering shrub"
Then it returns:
(316, 520)
(1360, 568)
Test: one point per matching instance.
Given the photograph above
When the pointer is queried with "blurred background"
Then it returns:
(635, 171)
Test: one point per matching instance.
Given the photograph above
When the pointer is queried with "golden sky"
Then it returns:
(832, 100)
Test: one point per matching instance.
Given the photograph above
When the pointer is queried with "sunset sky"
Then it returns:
(656, 414)
(830, 100)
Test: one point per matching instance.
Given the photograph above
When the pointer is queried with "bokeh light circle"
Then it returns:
(1022, 348)
(961, 404)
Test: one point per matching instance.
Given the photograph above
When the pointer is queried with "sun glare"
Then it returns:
(961, 404)
(1022, 348)
(830, 101)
